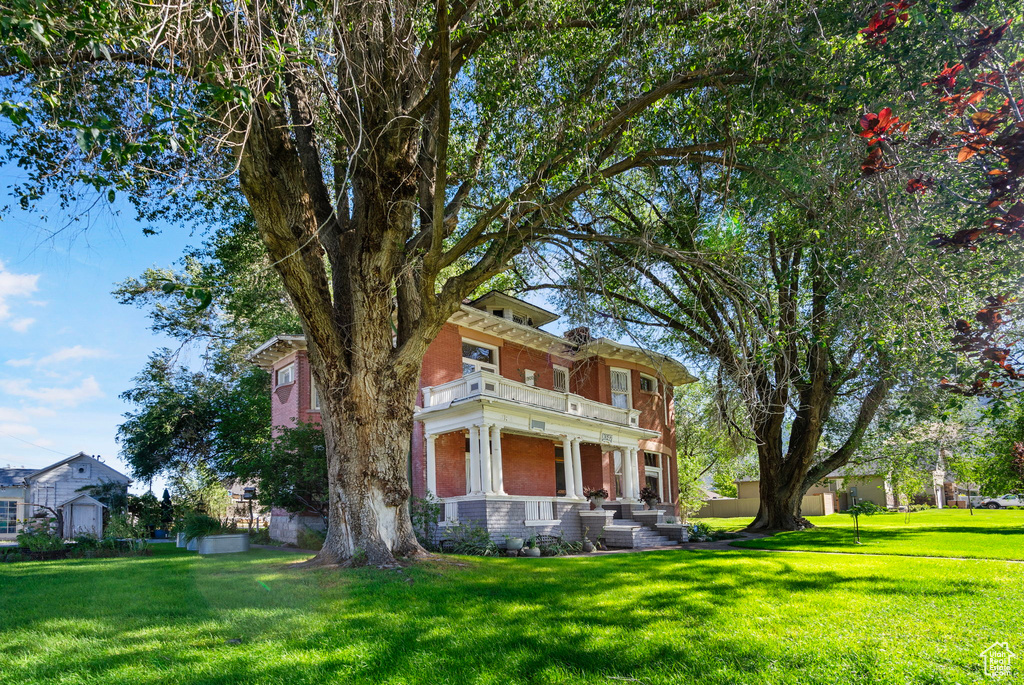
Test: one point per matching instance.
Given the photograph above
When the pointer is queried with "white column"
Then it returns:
(485, 459)
(474, 460)
(570, 477)
(431, 465)
(627, 476)
(577, 468)
(497, 479)
(633, 463)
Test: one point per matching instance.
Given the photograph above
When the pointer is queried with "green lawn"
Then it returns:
(932, 532)
(658, 617)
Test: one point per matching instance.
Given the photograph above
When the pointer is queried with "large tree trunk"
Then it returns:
(366, 370)
(781, 491)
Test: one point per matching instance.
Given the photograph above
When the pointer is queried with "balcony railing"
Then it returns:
(488, 384)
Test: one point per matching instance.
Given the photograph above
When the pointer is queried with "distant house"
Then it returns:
(25, 492)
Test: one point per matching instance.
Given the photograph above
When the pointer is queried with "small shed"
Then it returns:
(82, 514)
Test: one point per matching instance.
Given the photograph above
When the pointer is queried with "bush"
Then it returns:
(260, 536)
(700, 532)
(36, 536)
(200, 525)
(120, 526)
(425, 513)
(309, 538)
(467, 538)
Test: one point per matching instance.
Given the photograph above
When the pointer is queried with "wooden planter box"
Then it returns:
(223, 544)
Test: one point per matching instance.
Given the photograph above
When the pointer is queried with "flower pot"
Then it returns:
(179, 540)
(532, 551)
(597, 501)
(588, 546)
(514, 544)
(192, 545)
(651, 503)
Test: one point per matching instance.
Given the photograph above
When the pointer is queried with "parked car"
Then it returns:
(1003, 501)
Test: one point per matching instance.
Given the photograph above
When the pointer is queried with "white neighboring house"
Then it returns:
(24, 491)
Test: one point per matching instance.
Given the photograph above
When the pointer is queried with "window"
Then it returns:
(8, 517)
(286, 375)
(314, 399)
(498, 312)
(478, 357)
(620, 389)
(652, 473)
(648, 383)
(530, 377)
(559, 471)
(560, 379)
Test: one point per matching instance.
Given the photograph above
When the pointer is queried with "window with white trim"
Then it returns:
(8, 517)
(652, 473)
(478, 356)
(648, 383)
(314, 398)
(560, 379)
(286, 374)
(620, 389)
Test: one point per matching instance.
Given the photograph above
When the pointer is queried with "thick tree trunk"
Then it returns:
(781, 492)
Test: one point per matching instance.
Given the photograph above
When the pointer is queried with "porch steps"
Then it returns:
(631, 534)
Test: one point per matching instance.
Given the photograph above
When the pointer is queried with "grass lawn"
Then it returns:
(660, 617)
(932, 532)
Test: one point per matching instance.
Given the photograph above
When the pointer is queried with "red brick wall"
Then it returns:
(528, 465)
(450, 456)
(442, 361)
(592, 465)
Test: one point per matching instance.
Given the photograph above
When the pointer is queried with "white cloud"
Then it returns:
(15, 285)
(88, 389)
(65, 354)
(10, 415)
(21, 325)
(20, 429)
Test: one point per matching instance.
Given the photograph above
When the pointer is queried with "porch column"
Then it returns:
(485, 459)
(431, 465)
(577, 468)
(474, 460)
(627, 476)
(497, 478)
(570, 476)
(635, 468)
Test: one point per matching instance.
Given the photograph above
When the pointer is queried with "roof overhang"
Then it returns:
(275, 349)
(81, 499)
(495, 298)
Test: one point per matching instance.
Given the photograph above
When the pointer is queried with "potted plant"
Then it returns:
(209, 537)
(532, 550)
(649, 496)
(597, 496)
(513, 544)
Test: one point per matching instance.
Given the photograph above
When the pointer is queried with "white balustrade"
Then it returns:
(486, 383)
(539, 510)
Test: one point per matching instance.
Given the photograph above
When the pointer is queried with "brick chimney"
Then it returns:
(578, 336)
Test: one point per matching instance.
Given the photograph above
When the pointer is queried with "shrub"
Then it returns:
(467, 538)
(260, 536)
(86, 541)
(120, 526)
(308, 538)
(36, 536)
(200, 525)
(426, 514)
(700, 532)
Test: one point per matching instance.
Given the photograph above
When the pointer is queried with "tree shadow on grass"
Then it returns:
(653, 616)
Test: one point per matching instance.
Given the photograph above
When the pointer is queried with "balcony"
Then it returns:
(488, 384)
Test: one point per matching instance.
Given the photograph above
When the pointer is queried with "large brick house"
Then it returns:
(513, 422)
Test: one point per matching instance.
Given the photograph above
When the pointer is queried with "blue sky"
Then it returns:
(67, 348)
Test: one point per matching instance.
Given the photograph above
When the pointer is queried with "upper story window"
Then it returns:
(620, 389)
(530, 377)
(560, 379)
(648, 383)
(478, 357)
(286, 375)
(314, 398)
